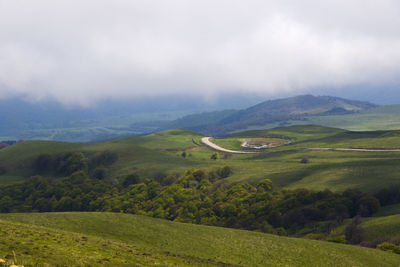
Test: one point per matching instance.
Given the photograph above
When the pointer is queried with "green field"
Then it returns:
(373, 119)
(161, 152)
(114, 239)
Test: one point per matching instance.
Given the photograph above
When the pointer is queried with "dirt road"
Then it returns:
(206, 141)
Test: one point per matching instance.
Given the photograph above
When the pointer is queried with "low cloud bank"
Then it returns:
(81, 52)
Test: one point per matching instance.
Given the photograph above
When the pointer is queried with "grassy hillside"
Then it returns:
(313, 136)
(162, 152)
(116, 239)
(145, 155)
(273, 112)
(386, 227)
(372, 119)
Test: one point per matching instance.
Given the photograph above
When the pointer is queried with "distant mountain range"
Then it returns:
(272, 111)
(113, 118)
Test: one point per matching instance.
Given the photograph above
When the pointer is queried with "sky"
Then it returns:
(81, 52)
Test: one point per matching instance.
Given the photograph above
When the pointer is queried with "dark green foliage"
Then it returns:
(160, 176)
(70, 162)
(368, 205)
(354, 233)
(275, 218)
(3, 170)
(214, 156)
(225, 171)
(183, 154)
(43, 163)
(389, 195)
(131, 179)
(389, 247)
(105, 158)
(304, 160)
(339, 213)
(99, 173)
(196, 197)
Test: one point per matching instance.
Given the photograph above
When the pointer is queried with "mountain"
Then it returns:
(112, 118)
(271, 111)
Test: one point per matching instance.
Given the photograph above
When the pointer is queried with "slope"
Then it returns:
(153, 240)
(158, 153)
(274, 112)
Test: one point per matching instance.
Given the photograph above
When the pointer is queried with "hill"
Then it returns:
(275, 112)
(161, 153)
(118, 239)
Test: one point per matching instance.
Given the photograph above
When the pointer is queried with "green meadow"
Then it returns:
(82, 239)
(372, 119)
(162, 153)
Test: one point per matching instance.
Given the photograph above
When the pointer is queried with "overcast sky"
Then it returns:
(82, 51)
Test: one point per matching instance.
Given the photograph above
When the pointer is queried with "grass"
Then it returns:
(119, 239)
(388, 210)
(379, 228)
(161, 152)
(379, 118)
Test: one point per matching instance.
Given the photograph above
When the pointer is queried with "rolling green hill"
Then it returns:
(162, 152)
(121, 239)
(372, 119)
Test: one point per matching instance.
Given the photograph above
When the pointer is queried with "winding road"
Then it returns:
(206, 141)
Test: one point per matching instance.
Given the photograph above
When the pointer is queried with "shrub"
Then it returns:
(368, 205)
(304, 160)
(386, 246)
(224, 172)
(131, 179)
(43, 163)
(336, 239)
(99, 173)
(354, 233)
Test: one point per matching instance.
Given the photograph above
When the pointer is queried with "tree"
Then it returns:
(131, 179)
(99, 173)
(340, 213)
(214, 156)
(67, 203)
(224, 172)
(264, 185)
(43, 163)
(368, 205)
(183, 154)
(43, 204)
(354, 233)
(275, 218)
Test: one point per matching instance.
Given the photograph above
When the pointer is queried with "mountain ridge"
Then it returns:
(278, 110)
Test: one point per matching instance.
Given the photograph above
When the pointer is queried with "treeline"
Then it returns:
(196, 197)
(70, 162)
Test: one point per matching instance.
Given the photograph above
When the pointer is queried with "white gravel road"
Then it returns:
(206, 141)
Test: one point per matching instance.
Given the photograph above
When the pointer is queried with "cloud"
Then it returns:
(82, 51)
